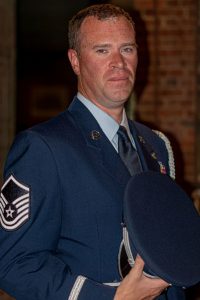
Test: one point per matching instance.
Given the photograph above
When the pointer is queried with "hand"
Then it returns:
(137, 286)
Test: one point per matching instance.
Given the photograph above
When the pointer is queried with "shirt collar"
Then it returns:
(106, 122)
(124, 123)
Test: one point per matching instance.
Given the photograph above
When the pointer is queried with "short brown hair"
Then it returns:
(99, 11)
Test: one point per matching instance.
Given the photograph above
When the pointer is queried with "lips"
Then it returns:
(118, 78)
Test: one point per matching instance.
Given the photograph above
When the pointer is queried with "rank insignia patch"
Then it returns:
(14, 204)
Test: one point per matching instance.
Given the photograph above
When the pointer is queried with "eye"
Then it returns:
(129, 49)
(101, 51)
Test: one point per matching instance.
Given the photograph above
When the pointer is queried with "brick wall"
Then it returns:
(168, 100)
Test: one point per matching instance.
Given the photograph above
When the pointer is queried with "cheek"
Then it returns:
(89, 74)
(94, 72)
(132, 62)
(87, 65)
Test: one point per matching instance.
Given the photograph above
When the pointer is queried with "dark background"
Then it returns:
(45, 81)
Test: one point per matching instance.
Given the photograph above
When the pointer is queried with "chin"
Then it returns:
(121, 97)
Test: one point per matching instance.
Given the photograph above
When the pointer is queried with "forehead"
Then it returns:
(112, 28)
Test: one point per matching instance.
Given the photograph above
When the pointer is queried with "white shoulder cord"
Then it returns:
(170, 153)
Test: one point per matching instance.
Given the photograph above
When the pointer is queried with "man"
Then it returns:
(61, 203)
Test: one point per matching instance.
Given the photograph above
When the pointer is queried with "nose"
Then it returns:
(117, 60)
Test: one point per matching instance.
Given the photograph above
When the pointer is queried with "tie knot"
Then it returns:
(122, 132)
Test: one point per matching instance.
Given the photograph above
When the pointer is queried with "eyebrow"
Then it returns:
(101, 46)
(107, 45)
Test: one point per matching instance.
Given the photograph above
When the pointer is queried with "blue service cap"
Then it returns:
(162, 225)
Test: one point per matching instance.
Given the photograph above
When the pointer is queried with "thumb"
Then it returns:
(139, 264)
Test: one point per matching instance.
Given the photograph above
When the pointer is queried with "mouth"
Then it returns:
(119, 78)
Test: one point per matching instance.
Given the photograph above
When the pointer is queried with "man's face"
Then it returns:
(107, 61)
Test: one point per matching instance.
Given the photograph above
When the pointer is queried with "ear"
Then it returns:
(74, 60)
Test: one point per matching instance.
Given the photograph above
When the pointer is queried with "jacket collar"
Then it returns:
(105, 154)
(96, 140)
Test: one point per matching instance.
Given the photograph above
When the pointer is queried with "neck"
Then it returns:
(114, 112)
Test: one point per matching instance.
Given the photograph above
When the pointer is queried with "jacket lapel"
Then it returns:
(102, 150)
(146, 152)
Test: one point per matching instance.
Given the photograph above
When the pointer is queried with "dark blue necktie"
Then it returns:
(131, 160)
(127, 152)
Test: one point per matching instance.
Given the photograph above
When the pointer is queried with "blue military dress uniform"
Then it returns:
(61, 208)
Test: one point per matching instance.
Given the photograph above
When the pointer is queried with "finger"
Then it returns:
(139, 264)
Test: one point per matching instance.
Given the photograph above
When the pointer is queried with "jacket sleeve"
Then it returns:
(30, 216)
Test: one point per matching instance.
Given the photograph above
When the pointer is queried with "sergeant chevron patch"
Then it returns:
(14, 204)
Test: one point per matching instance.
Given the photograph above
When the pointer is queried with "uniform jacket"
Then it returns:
(61, 208)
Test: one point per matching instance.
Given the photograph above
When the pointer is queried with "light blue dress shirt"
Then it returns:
(106, 122)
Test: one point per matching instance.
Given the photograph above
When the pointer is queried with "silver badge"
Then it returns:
(95, 135)
(153, 155)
